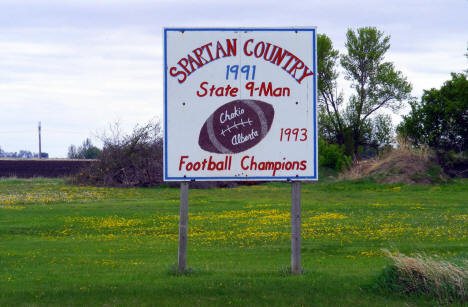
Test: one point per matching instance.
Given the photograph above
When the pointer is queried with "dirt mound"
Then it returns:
(399, 166)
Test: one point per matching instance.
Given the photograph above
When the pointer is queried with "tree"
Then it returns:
(440, 119)
(377, 84)
(382, 130)
(85, 151)
(332, 125)
(72, 152)
(26, 154)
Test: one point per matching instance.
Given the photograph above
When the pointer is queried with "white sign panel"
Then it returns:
(240, 104)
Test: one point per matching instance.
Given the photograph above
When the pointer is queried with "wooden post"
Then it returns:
(296, 267)
(183, 221)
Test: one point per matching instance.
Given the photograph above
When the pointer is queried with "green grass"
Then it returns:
(68, 245)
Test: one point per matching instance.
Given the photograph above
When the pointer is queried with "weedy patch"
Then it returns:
(286, 271)
(173, 270)
(424, 275)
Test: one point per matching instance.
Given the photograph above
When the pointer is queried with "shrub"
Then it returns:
(454, 164)
(333, 156)
(130, 160)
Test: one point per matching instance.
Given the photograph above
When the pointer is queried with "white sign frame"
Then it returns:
(311, 104)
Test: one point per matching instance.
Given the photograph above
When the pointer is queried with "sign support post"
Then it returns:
(240, 104)
(296, 267)
(183, 221)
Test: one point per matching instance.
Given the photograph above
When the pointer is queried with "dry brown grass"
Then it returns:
(425, 275)
(423, 151)
(404, 164)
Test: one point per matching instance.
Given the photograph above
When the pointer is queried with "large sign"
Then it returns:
(240, 104)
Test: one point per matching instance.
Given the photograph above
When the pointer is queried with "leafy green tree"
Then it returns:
(377, 84)
(85, 151)
(332, 125)
(382, 130)
(440, 119)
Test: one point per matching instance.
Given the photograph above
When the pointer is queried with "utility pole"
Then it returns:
(39, 128)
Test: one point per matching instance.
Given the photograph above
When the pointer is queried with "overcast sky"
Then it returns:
(78, 66)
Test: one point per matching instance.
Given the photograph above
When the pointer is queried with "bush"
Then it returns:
(128, 161)
(454, 164)
(333, 156)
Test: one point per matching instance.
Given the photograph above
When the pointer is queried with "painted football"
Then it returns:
(236, 126)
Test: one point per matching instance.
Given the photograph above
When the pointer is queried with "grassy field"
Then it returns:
(69, 245)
